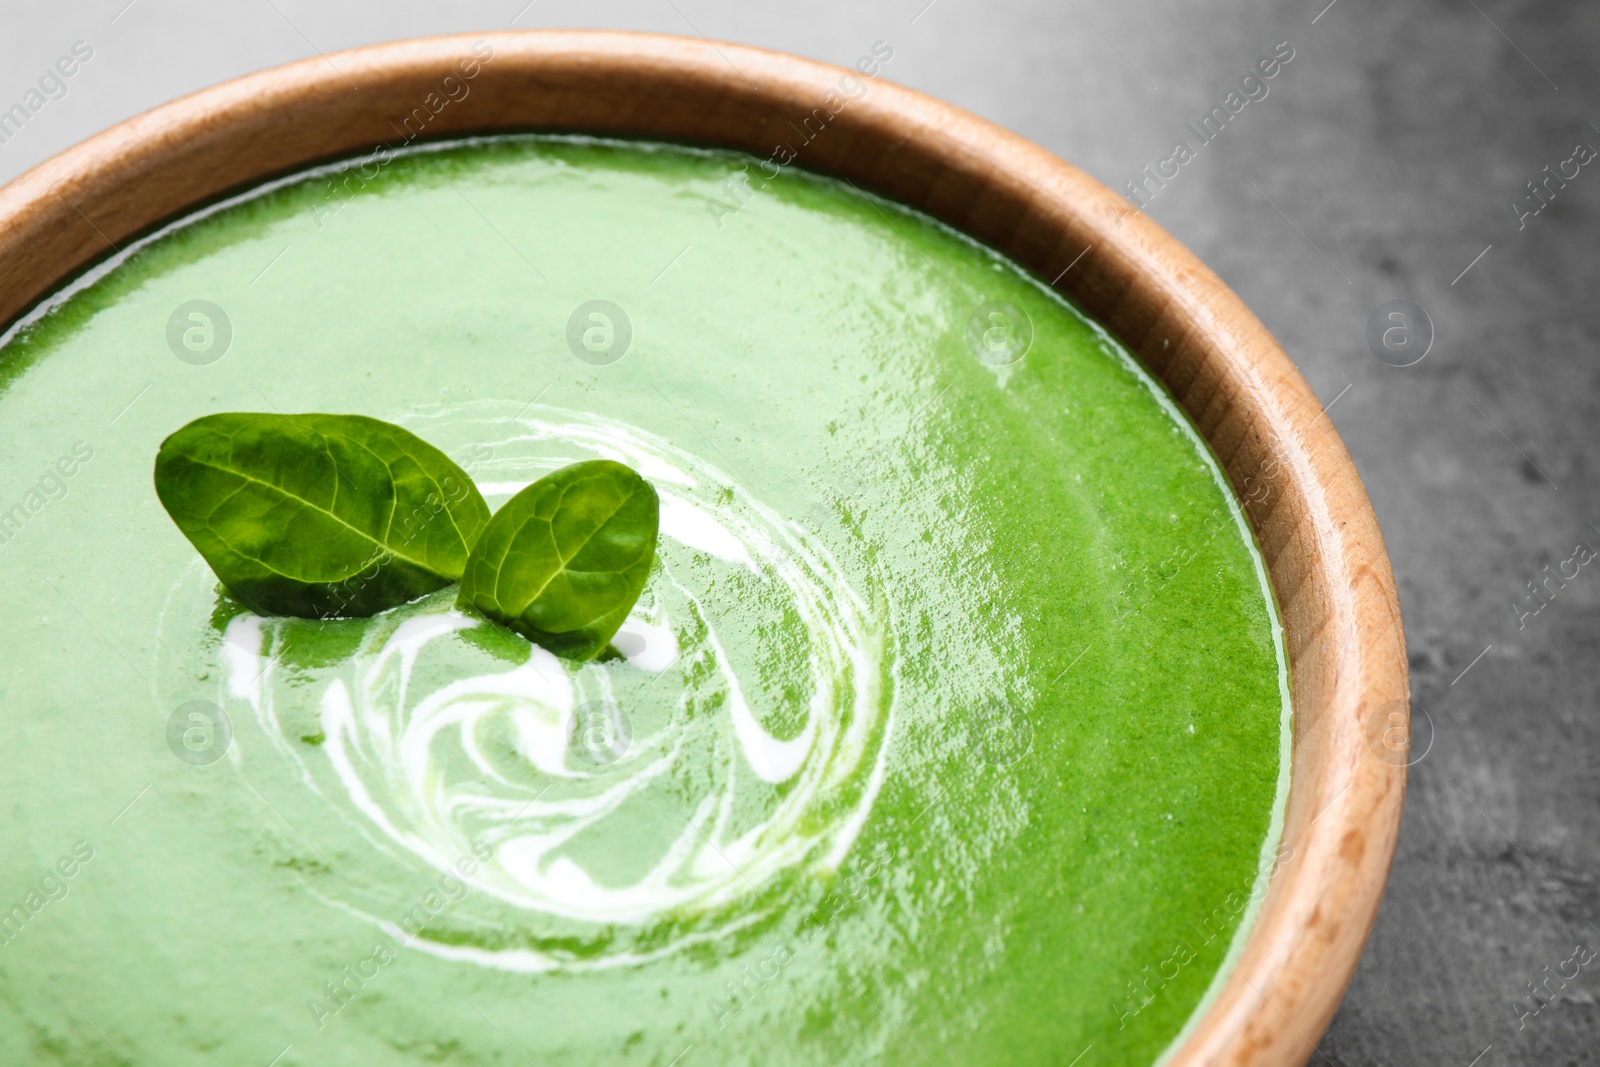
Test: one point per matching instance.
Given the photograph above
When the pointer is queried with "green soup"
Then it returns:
(950, 727)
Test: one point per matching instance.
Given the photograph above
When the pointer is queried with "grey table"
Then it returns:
(1388, 160)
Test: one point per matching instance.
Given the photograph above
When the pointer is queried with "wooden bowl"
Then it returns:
(1314, 524)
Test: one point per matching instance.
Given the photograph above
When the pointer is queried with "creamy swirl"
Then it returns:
(739, 735)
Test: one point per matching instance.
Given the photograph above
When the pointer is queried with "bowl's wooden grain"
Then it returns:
(1315, 525)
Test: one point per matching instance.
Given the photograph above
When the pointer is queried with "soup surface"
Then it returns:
(950, 727)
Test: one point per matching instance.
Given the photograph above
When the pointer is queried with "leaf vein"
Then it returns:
(318, 508)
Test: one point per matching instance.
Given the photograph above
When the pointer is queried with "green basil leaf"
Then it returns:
(319, 515)
(564, 560)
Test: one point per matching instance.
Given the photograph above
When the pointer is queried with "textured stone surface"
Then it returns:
(1384, 159)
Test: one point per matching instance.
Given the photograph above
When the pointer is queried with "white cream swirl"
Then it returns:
(742, 734)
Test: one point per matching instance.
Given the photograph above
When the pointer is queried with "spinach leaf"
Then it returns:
(319, 515)
(564, 560)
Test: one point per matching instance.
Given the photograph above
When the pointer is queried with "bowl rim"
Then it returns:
(1299, 489)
